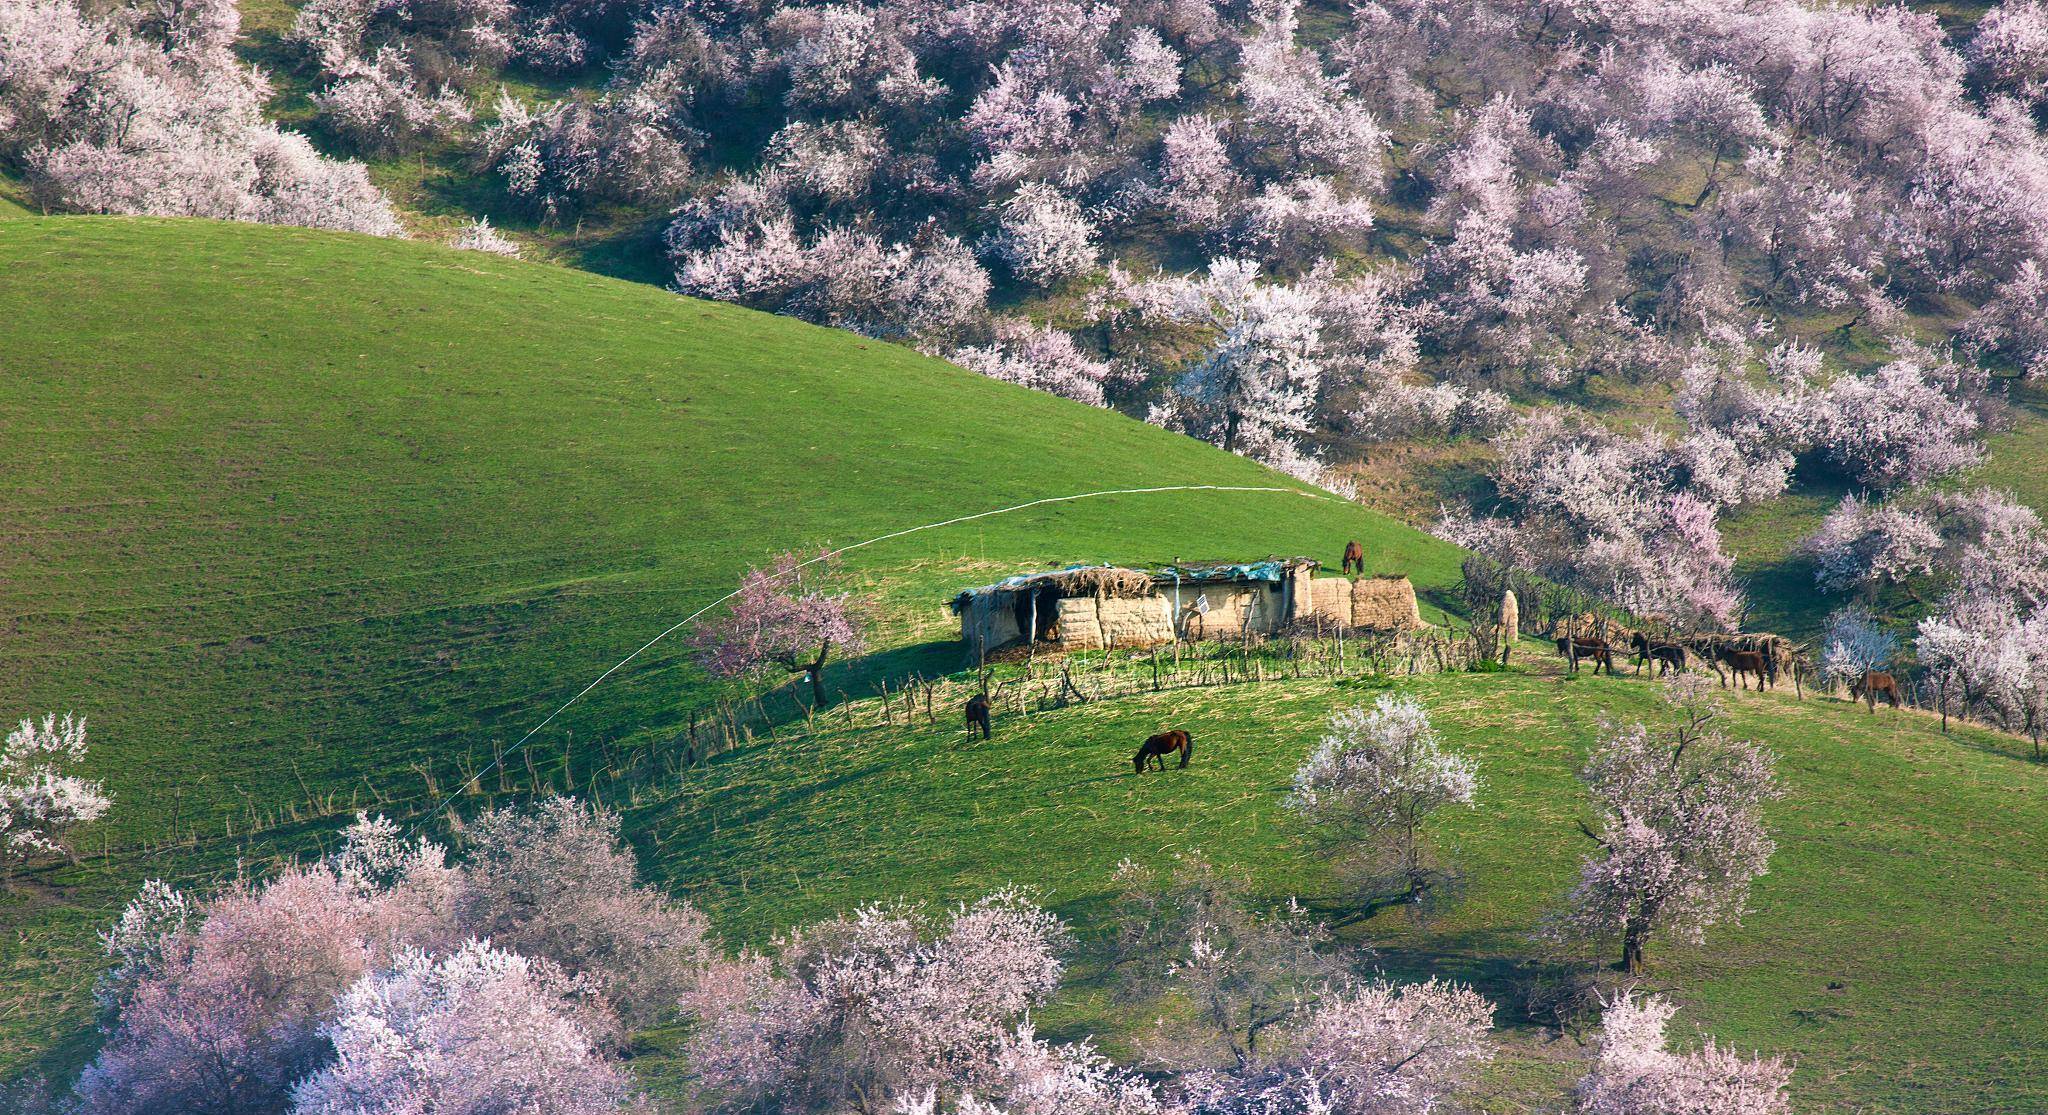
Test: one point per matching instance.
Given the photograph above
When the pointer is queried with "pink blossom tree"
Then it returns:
(2010, 48)
(1863, 545)
(116, 113)
(780, 620)
(1235, 972)
(227, 1015)
(556, 882)
(1636, 1075)
(1365, 1049)
(474, 1032)
(885, 1002)
(1680, 833)
(40, 803)
(1377, 778)
(1036, 356)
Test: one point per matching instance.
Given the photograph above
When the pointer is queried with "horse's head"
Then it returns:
(1138, 762)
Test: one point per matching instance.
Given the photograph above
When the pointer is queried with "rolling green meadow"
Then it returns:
(307, 523)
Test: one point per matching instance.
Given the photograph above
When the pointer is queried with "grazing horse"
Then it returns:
(1574, 648)
(1741, 662)
(977, 713)
(1872, 685)
(1670, 657)
(1158, 747)
(1354, 557)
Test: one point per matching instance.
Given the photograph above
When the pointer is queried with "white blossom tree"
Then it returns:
(40, 802)
(1864, 545)
(1240, 973)
(1377, 777)
(1028, 1076)
(1636, 1075)
(1680, 834)
(479, 236)
(1043, 237)
(1855, 644)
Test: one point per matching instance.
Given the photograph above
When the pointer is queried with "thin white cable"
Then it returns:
(830, 554)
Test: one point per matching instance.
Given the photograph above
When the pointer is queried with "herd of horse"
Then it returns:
(1669, 656)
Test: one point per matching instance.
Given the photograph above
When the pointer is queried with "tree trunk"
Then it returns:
(1635, 933)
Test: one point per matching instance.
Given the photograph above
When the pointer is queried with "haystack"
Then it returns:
(1136, 622)
(1102, 582)
(1385, 603)
(1079, 627)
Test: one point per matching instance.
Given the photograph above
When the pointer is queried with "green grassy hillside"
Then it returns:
(311, 519)
(1898, 947)
(305, 520)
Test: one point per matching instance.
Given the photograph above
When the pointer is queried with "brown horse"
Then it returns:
(1873, 685)
(1354, 557)
(1740, 662)
(1669, 657)
(1574, 648)
(978, 713)
(1158, 747)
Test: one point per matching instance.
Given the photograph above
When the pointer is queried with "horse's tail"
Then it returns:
(1187, 749)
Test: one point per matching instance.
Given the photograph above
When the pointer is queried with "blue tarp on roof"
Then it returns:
(1272, 569)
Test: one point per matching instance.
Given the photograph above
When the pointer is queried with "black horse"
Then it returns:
(978, 713)
(1158, 747)
(1669, 657)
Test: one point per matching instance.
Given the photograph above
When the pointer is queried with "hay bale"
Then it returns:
(1510, 617)
(1330, 600)
(1080, 627)
(1385, 603)
(1143, 622)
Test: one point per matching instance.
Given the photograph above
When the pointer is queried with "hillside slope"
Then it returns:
(1897, 948)
(302, 519)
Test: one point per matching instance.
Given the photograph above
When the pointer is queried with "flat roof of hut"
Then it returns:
(1089, 606)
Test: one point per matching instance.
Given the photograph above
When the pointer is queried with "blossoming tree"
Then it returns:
(777, 621)
(1680, 830)
(1378, 776)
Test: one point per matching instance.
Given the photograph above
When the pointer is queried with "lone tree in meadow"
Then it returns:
(1636, 1075)
(1377, 778)
(779, 621)
(1681, 831)
(39, 804)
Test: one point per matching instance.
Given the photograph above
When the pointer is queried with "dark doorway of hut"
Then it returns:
(1038, 612)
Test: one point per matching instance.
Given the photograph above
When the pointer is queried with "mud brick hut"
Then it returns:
(1093, 607)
